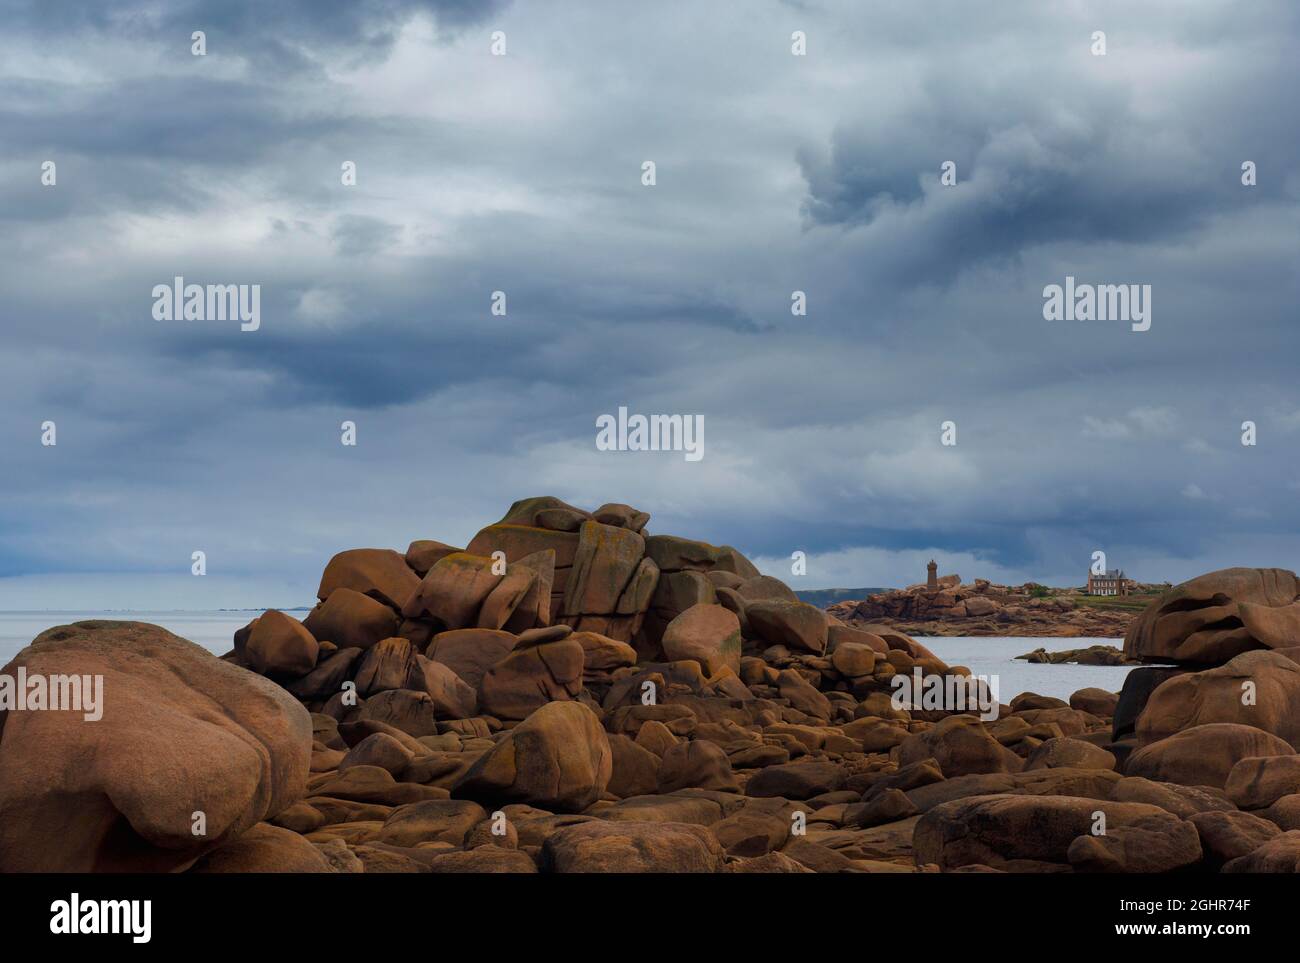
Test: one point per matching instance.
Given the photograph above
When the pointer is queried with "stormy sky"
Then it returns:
(522, 173)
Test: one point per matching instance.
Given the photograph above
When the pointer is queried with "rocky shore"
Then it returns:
(570, 693)
(1092, 655)
(981, 608)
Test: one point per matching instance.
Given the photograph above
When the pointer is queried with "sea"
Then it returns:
(213, 630)
(991, 657)
(995, 658)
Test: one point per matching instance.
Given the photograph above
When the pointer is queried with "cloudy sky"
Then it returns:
(523, 173)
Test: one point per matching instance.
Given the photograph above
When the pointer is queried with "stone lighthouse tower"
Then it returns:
(932, 576)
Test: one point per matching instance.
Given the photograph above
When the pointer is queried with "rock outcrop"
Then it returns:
(1213, 617)
(953, 607)
(572, 692)
(189, 752)
(1092, 655)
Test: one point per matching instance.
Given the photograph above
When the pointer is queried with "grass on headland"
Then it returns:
(1124, 603)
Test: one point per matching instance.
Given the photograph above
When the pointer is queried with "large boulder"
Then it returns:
(1257, 782)
(962, 746)
(415, 713)
(796, 780)
(635, 768)
(1001, 830)
(625, 846)
(518, 583)
(1281, 854)
(1063, 752)
(696, 765)
(674, 593)
(1228, 835)
(517, 542)
(484, 859)
(1147, 845)
(388, 664)
(674, 554)
(529, 678)
(351, 620)
(1216, 616)
(453, 697)
(534, 608)
(327, 678)
(280, 645)
(699, 809)
(380, 573)
(639, 591)
(557, 759)
(709, 634)
(181, 733)
(1203, 755)
(453, 591)
(1099, 702)
(370, 785)
(1259, 688)
(794, 624)
(424, 553)
(602, 654)
(854, 660)
(621, 516)
(603, 567)
(471, 652)
(1285, 812)
(379, 749)
(264, 849)
(546, 511)
(1180, 800)
(803, 695)
(432, 820)
(765, 587)
(1138, 685)
(752, 833)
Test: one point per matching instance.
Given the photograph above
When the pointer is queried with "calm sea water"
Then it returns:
(992, 657)
(996, 657)
(213, 630)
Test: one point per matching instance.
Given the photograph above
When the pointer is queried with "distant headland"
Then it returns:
(945, 605)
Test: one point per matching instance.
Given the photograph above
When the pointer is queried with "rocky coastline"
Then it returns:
(570, 693)
(1092, 655)
(982, 608)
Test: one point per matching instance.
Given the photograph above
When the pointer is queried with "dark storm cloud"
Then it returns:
(356, 235)
(282, 36)
(1043, 164)
(140, 146)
